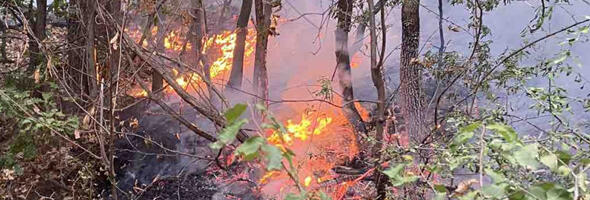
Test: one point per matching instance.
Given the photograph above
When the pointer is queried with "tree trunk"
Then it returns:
(237, 69)
(77, 83)
(263, 12)
(343, 65)
(39, 24)
(410, 76)
(377, 76)
(157, 80)
(226, 4)
(90, 49)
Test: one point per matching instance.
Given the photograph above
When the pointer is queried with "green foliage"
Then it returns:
(228, 134)
(31, 121)
(398, 177)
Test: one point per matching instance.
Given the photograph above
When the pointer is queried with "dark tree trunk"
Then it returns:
(38, 25)
(157, 80)
(90, 49)
(237, 70)
(77, 82)
(263, 12)
(343, 64)
(410, 75)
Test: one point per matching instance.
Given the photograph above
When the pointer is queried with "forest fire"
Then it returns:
(219, 48)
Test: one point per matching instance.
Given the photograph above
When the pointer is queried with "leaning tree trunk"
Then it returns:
(410, 76)
(263, 12)
(38, 35)
(237, 69)
(343, 15)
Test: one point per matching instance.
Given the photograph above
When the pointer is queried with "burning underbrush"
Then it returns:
(320, 139)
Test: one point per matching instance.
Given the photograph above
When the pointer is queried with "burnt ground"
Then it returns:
(160, 159)
(194, 186)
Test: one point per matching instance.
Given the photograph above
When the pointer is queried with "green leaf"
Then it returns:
(550, 160)
(560, 59)
(527, 156)
(394, 172)
(440, 189)
(469, 196)
(518, 195)
(496, 177)
(249, 149)
(274, 157)
(505, 131)
(228, 134)
(493, 191)
(462, 138)
(564, 157)
(563, 170)
(470, 128)
(396, 177)
(233, 113)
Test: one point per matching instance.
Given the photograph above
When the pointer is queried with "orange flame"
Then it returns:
(222, 62)
(226, 42)
(319, 140)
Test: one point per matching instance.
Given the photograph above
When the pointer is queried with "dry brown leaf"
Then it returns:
(464, 187)
(133, 123)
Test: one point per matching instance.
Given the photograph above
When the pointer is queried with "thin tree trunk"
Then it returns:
(263, 12)
(157, 80)
(114, 9)
(90, 50)
(78, 82)
(377, 76)
(360, 30)
(410, 76)
(237, 69)
(226, 4)
(343, 65)
(39, 24)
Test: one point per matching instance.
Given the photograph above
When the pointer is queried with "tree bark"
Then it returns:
(263, 12)
(379, 82)
(39, 24)
(237, 69)
(343, 15)
(157, 80)
(410, 75)
(90, 49)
